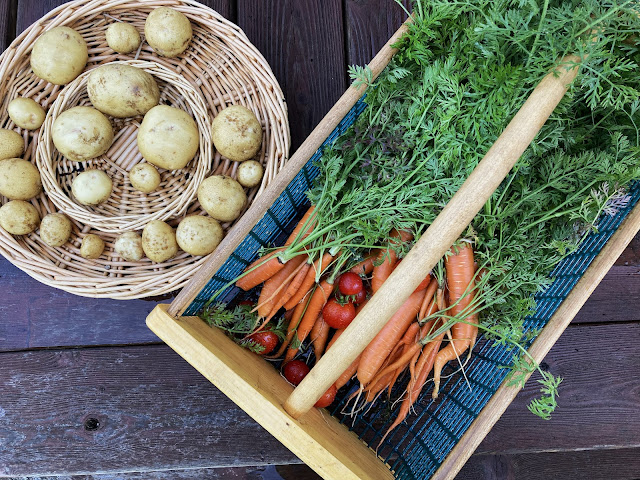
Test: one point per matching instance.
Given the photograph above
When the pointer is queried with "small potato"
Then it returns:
(236, 133)
(250, 173)
(19, 179)
(82, 133)
(18, 217)
(144, 177)
(168, 31)
(199, 235)
(59, 55)
(92, 247)
(55, 229)
(221, 197)
(168, 137)
(122, 90)
(159, 241)
(123, 37)
(129, 246)
(92, 187)
(11, 144)
(26, 113)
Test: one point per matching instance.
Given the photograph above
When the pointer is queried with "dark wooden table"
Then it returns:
(87, 391)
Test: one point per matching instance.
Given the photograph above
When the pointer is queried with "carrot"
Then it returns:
(428, 298)
(365, 267)
(261, 270)
(299, 226)
(335, 337)
(273, 286)
(319, 336)
(317, 301)
(460, 280)
(291, 329)
(379, 348)
(307, 282)
(298, 274)
(381, 272)
(348, 373)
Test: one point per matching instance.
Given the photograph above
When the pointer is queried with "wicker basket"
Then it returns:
(220, 68)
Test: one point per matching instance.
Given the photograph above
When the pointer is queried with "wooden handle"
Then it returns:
(438, 238)
(262, 203)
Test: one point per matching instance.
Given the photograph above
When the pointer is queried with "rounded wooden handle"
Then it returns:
(443, 232)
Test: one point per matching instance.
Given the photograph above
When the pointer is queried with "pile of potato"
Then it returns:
(168, 139)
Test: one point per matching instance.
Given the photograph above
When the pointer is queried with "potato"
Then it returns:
(26, 113)
(221, 197)
(159, 241)
(92, 187)
(129, 246)
(168, 31)
(55, 229)
(59, 55)
(199, 235)
(123, 37)
(82, 133)
(18, 217)
(11, 144)
(250, 173)
(168, 137)
(122, 90)
(92, 247)
(236, 133)
(19, 179)
(144, 177)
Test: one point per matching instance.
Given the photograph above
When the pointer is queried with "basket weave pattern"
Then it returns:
(220, 68)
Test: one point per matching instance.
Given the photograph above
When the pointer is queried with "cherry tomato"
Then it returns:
(350, 284)
(328, 397)
(338, 316)
(358, 298)
(268, 340)
(295, 371)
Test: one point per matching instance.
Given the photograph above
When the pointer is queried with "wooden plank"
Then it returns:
(7, 22)
(303, 41)
(605, 464)
(367, 30)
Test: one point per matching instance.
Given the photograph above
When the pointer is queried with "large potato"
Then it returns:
(168, 31)
(199, 235)
(221, 197)
(236, 133)
(59, 55)
(18, 217)
(168, 137)
(129, 246)
(92, 247)
(123, 37)
(82, 133)
(144, 177)
(55, 229)
(159, 241)
(19, 179)
(122, 90)
(92, 187)
(26, 113)
(11, 144)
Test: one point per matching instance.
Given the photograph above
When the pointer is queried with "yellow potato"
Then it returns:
(222, 197)
(123, 37)
(59, 55)
(144, 177)
(82, 133)
(236, 133)
(199, 235)
(129, 246)
(55, 229)
(92, 187)
(19, 179)
(11, 144)
(168, 137)
(122, 90)
(168, 31)
(92, 247)
(159, 241)
(250, 173)
(26, 113)
(18, 217)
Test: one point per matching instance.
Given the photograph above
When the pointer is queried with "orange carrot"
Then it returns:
(428, 298)
(261, 270)
(293, 287)
(319, 336)
(307, 282)
(335, 337)
(297, 231)
(348, 373)
(365, 267)
(291, 329)
(381, 272)
(273, 286)
(460, 271)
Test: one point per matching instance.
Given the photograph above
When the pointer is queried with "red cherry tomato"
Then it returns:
(268, 340)
(338, 316)
(295, 371)
(328, 397)
(358, 298)
(350, 283)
